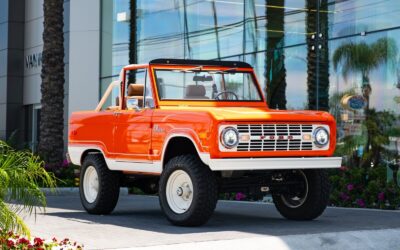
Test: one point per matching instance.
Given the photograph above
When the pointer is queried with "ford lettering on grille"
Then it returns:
(275, 137)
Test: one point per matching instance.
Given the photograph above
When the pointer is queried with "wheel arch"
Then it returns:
(179, 144)
(90, 151)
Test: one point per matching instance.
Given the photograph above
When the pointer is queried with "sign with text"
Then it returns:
(33, 60)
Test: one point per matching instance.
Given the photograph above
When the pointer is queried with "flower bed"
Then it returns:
(13, 241)
(364, 188)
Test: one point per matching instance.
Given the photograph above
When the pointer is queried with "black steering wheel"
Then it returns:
(225, 92)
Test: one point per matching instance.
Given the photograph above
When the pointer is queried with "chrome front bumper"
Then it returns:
(274, 163)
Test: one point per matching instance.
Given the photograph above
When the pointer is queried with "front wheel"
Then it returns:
(188, 191)
(309, 199)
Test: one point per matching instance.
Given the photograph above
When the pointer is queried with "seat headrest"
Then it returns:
(135, 89)
(195, 91)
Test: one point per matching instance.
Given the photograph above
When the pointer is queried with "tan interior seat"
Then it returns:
(116, 106)
(136, 91)
(195, 92)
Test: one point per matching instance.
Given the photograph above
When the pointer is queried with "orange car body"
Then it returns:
(136, 140)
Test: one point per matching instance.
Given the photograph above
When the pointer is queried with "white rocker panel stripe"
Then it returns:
(274, 163)
(145, 167)
(75, 154)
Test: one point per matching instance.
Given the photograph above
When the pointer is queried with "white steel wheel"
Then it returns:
(295, 201)
(90, 184)
(179, 191)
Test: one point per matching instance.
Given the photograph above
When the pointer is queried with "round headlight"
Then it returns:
(229, 137)
(321, 137)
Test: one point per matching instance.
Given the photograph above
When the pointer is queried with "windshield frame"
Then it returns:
(207, 102)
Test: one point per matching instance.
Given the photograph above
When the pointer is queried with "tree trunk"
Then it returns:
(275, 73)
(324, 57)
(132, 39)
(366, 92)
(51, 143)
(317, 74)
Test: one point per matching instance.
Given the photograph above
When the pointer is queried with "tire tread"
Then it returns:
(315, 204)
(108, 186)
(207, 195)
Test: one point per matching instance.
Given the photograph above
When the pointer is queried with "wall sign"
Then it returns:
(353, 102)
(33, 60)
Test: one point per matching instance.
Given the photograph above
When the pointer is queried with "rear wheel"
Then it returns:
(99, 186)
(309, 199)
(188, 191)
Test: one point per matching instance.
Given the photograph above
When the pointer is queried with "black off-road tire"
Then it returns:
(316, 201)
(109, 186)
(205, 191)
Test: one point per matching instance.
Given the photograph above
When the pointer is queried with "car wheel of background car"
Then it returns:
(308, 202)
(188, 191)
(99, 187)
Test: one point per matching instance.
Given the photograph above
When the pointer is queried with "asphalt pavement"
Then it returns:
(137, 222)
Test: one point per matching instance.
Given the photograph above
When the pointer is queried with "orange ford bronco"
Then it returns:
(191, 129)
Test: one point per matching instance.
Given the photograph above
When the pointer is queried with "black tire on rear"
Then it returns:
(108, 192)
(316, 200)
(205, 191)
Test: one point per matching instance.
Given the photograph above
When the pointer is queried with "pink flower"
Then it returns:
(23, 241)
(240, 196)
(381, 196)
(10, 243)
(65, 163)
(350, 187)
(38, 241)
(360, 202)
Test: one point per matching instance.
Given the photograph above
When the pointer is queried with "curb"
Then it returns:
(67, 191)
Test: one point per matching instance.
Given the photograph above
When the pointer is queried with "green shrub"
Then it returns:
(360, 187)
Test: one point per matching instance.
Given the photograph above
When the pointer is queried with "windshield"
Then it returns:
(228, 85)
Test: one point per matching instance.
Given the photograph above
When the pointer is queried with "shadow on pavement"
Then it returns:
(144, 213)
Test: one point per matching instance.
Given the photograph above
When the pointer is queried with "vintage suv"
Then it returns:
(192, 129)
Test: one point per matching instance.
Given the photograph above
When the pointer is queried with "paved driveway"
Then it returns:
(138, 222)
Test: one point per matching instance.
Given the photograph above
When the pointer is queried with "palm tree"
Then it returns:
(363, 58)
(133, 38)
(317, 55)
(275, 73)
(21, 173)
(51, 143)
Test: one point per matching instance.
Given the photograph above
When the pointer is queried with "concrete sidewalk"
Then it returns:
(138, 222)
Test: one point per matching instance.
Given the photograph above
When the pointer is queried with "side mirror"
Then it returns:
(132, 104)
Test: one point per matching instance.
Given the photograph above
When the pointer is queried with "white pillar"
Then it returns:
(84, 55)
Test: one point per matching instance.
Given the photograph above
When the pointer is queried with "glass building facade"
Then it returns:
(340, 56)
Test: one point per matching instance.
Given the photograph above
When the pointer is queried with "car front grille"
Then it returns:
(275, 137)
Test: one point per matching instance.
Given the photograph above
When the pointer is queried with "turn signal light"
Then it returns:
(245, 138)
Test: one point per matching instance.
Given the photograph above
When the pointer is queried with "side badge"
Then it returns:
(157, 129)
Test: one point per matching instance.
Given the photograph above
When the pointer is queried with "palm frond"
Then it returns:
(21, 176)
(386, 51)
(10, 221)
(362, 57)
